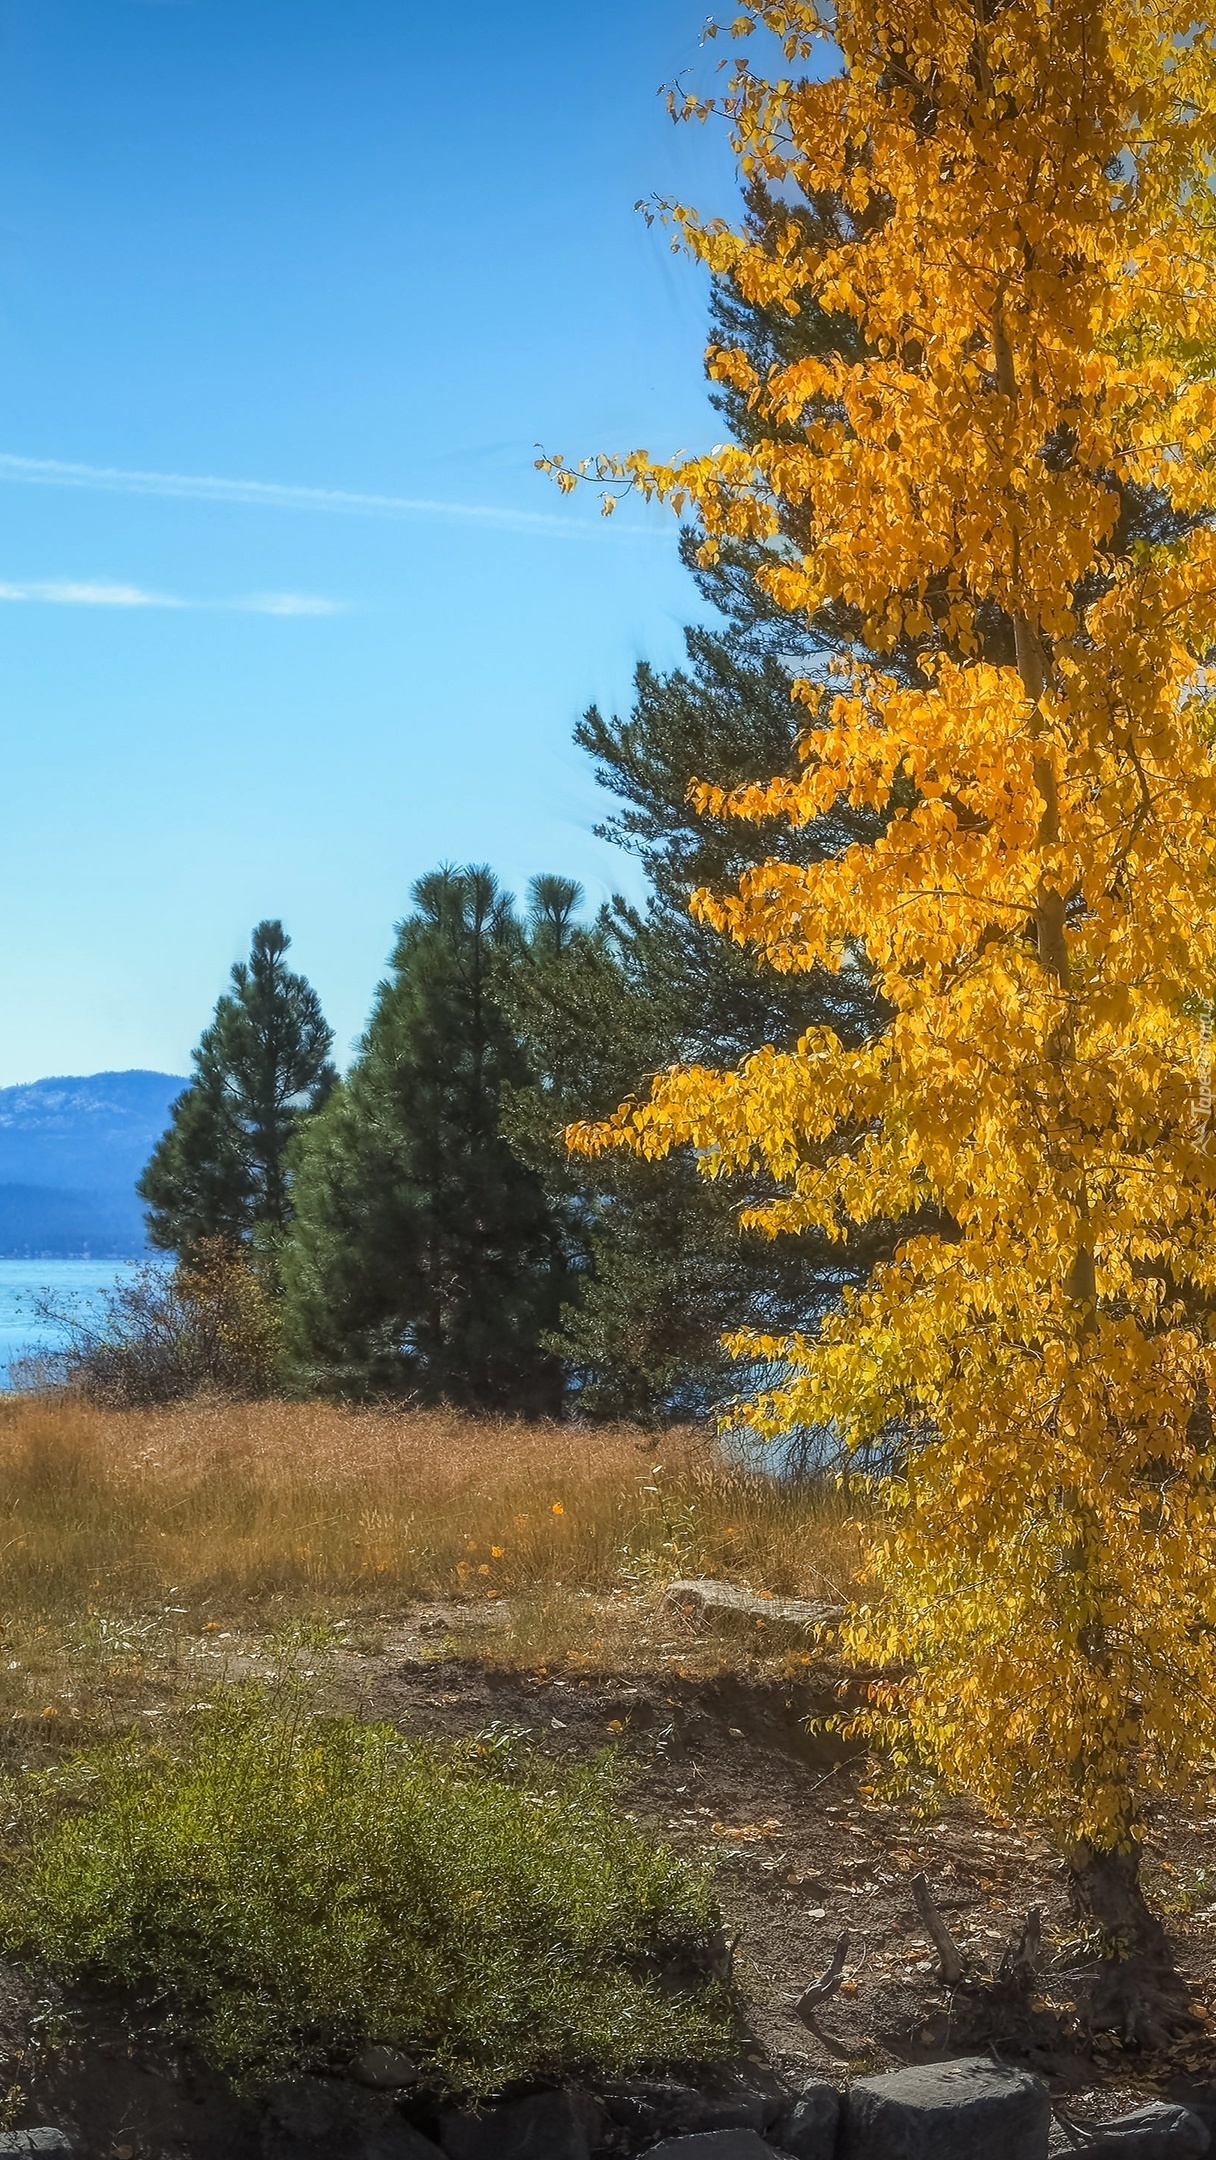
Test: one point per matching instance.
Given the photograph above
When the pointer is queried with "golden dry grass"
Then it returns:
(231, 1505)
(126, 1536)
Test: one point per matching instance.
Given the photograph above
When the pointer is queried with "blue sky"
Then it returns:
(338, 249)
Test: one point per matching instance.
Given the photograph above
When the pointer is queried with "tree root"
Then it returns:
(820, 1990)
(1130, 1987)
(1144, 2002)
(1133, 1988)
(949, 1962)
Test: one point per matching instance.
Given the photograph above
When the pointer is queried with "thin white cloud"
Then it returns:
(271, 495)
(289, 603)
(64, 592)
(67, 592)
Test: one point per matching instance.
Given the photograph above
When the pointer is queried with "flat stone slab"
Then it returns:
(957, 2110)
(713, 2145)
(50, 2144)
(1160, 2131)
(700, 1599)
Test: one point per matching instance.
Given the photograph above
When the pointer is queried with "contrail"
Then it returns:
(272, 495)
(71, 592)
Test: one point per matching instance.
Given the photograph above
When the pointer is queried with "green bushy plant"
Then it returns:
(285, 1888)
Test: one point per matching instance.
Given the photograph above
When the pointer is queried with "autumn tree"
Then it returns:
(1024, 245)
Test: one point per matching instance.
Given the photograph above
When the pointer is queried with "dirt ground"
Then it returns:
(806, 1846)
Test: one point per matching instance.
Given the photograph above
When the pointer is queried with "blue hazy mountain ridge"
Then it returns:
(70, 1152)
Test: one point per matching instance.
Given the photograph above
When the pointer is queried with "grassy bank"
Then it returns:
(128, 1538)
(234, 1505)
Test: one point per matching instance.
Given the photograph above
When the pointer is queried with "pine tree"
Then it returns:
(260, 1068)
(425, 1255)
(635, 1342)
(659, 1270)
(722, 713)
(665, 1274)
(1028, 261)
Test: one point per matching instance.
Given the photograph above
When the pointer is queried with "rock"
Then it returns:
(542, 2126)
(393, 2141)
(307, 2108)
(318, 2118)
(700, 1599)
(52, 2144)
(384, 2068)
(948, 2111)
(660, 2108)
(807, 2128)
(1160, 2131)
(741, 2111)
(713, 2145)
(652, 2108)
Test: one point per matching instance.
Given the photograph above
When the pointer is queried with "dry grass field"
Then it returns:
(131, 1540)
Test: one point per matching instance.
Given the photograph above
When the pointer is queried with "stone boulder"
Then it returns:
(700, 1601)
(1161, 2131)
(948, 2111)
(542, 2126)
(647, 2109)
(50, 2144)
(713, 2145)
(318, 2118)
(808, 2127)
(392, 2141)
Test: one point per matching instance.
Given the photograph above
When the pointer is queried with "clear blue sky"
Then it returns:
(357, 246)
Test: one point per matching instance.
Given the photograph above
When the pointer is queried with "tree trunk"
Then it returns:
(1137, 1990)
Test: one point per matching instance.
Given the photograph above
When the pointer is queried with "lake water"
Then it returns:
(75, 1284)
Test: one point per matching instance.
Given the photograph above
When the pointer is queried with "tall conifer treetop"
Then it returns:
(1026, 246)
(261, 1068)
(425, 1254)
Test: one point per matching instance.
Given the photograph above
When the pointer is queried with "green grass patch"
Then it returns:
(282, 1888)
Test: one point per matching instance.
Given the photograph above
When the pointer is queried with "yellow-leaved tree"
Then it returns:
(1025, 239)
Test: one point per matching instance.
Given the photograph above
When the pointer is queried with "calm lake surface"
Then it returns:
(77, 1284)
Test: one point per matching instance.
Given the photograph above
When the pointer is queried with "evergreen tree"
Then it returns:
(664, 1270)
(710, 997)
(261, 1067)
(639, 1330)
(425, 1255)
(661, 1271)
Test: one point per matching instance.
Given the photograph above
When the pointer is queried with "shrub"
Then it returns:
(288, 1888)
(209, 1324)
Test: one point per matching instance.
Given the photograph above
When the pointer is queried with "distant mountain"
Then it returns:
(70, 1152)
